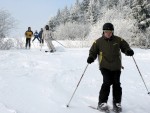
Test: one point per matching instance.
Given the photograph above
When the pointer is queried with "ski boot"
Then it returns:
(52, 51)
(117, 107)
(103, 107)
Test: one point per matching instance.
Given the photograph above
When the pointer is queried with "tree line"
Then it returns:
(88, 13)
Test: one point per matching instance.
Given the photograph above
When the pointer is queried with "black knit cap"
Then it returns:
(47, 27)
(108, 26)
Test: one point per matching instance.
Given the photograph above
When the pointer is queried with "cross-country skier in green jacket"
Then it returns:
(108, 49)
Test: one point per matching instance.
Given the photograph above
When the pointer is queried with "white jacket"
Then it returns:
(47, 34)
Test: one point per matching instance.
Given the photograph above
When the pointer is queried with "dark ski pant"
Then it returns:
(110, 78)
(36, 38)
(28, 42)
(41, 41)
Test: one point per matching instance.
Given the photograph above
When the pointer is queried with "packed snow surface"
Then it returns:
(32, 81)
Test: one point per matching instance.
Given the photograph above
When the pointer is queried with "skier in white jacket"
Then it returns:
(47, 35)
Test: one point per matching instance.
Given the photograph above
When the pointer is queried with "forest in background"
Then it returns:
(84, 20)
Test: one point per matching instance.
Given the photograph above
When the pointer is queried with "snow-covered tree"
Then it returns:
(141, 12)
(131, 17)
(75, 12)
(93, 12)
(52, 24)
(109, 4)
(71, 31)
(7, 23)
(85, 5)
(125, 27)
(57, 18)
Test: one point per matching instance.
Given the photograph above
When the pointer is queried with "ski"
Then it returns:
(93, 107)
(47, 51)
(50, 51)
(116, 110)
(106, 111)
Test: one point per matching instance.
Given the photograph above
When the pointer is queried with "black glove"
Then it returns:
(130, 52)
(90, 60)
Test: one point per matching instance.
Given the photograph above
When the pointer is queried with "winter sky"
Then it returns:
(33, 13)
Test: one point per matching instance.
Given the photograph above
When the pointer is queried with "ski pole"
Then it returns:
(33, 44)
(77, 86)
(41, 43)
(59, 42)
(41, 48)
(140, 75)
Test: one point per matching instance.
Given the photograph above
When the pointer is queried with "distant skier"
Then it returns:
(28, 35)
(107, 49)
(47, 36)
(36, 36)
(40, 36)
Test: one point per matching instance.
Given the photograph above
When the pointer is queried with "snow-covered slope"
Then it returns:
(32, 81)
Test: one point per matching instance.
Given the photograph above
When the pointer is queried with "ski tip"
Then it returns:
(149, 93)
(92, 107)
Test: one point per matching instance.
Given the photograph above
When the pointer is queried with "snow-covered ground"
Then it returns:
(32, 81)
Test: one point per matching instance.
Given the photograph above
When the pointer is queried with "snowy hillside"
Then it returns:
(32, 81)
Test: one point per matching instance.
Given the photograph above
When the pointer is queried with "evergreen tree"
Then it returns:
(89, 12)
(110, 3)
(85, 5)
(57, 18)
(65, 15)
(141, 12)
(75, 12)
(84, 15)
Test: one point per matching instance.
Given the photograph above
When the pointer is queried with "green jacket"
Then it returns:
(108, 52)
